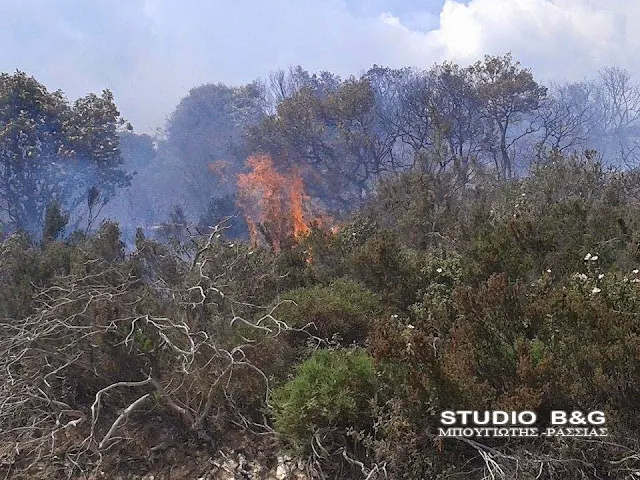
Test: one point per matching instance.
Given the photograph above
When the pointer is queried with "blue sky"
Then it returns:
(150, 52)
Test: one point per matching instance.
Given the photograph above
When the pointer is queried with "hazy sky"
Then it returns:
(151, 52)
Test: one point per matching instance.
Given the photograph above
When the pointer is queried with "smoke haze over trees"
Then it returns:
(343, 134)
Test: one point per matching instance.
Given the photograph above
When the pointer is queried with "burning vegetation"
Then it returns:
(468, 272)
(275, 205)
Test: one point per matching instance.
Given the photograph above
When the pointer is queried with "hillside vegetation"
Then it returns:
(331, 319)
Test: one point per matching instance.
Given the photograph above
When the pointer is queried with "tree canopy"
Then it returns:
(53, 151)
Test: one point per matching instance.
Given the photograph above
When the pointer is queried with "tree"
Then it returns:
(283, 84)
(337, 135)
(404, 104)
(564, 119)
(51, 151)
(616, 115)
(618, 99)
(452, 117)
(459, 115)
(507, 94)
(602, 114)
(208, 126)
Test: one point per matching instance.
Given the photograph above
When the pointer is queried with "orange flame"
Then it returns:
(273, 204)
(296, 197)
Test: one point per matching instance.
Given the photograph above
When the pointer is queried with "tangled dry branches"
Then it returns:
(103, 349)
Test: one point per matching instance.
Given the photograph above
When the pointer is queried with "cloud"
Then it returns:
(151, 52)
(558, 38)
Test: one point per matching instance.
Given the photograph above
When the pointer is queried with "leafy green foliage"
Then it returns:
(331, 390)
(53, 151)
(343, 309)
(55, 222)
(393, 271)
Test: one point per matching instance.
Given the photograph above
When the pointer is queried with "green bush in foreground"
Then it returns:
(331, 392)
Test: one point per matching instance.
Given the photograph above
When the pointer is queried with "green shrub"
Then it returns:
(331, 390)
(591, 328)
(342, 308)
(393, 271)
(55, 221)
(440, 276)
(502, 248)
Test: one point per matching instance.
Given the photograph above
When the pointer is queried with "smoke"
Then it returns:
(156, 189)
(558, 38)
(150, 52)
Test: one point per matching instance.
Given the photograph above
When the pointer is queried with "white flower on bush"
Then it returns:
(581, 276)
(596, 290)
(587, 257)
(439, 270)
(601, 276)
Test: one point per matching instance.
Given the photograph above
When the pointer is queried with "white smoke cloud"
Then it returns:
(150, 52)
(559, 38)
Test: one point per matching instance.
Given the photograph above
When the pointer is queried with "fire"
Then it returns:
(273, 204)
(296, 198)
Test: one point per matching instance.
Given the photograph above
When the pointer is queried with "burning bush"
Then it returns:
(275, 205)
